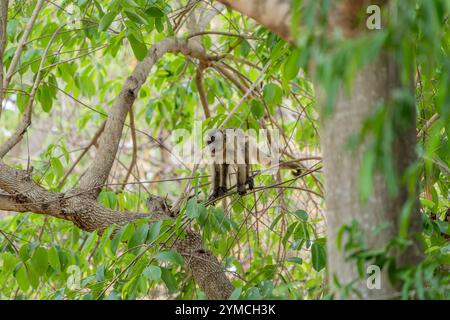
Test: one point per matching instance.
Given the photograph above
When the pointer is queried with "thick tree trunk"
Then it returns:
(372, 85)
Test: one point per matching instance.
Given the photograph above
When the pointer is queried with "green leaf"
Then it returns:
(117, 239)
(295, 260)
(139, 236)
(24, 252)
(136, 16)
(22, 101)
(266, 288)
(152, 272)
(257, 108)
(9, 262)
(301, 215)
(45, 98)
(154, 12)
(169, 280)
(86, 85)
(301, 231)
(106, 20)
(39, 261)
(154, 231)
(445, 250)
(253, 294)
(159, 25)
(192, 209)
(170, 256)
(427, 203)
(100, 273)
(33, 278)
(235, 294)
(22, 278)
(318, 256)
(129, 3)
(139, 48)
(292, 65)
(53, 259)
(244, 48)
(108, 199)
(57, 167)
(272, 94)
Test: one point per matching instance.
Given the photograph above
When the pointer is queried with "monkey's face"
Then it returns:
(214, 138)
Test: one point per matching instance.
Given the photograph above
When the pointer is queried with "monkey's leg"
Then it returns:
(241, 178)
(249, 178)
(223, 179)
(250, 181)
(216, 176)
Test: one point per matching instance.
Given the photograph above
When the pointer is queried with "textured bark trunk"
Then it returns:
(373, 84)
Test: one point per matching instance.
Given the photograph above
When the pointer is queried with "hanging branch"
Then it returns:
(3, 37)
(22, 43)
(85, 150)
(26, 120)
(134, 153)
(201, 91)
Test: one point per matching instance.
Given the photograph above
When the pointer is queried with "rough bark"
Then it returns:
(22, 194)
(204, 267)
(373, 84)
(273, 14)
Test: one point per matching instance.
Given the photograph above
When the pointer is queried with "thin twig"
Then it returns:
(243, 36)
(201, 91)
(249, 91)
(86, 149)
(26, 120)
(3, 37)
(134, 154)
(22, 42)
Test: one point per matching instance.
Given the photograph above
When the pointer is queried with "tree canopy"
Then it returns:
(103, 104)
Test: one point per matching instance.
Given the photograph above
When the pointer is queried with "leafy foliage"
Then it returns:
(271, 242)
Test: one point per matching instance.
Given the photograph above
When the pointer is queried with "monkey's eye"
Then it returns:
(213, 139)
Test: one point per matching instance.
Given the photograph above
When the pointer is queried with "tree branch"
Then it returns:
(86, 149)
(201, 91)
(23, 195)
(22, 43)
(26, 195)
(273, 14)
(134, 153)
(109, 143)
(26, 120)
(3, 37)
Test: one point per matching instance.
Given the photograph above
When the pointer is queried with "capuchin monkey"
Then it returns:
(229, 147)
(232, 146)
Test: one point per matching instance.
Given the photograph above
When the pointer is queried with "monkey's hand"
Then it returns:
(218, 193)
(242, 190)
(250, 182)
